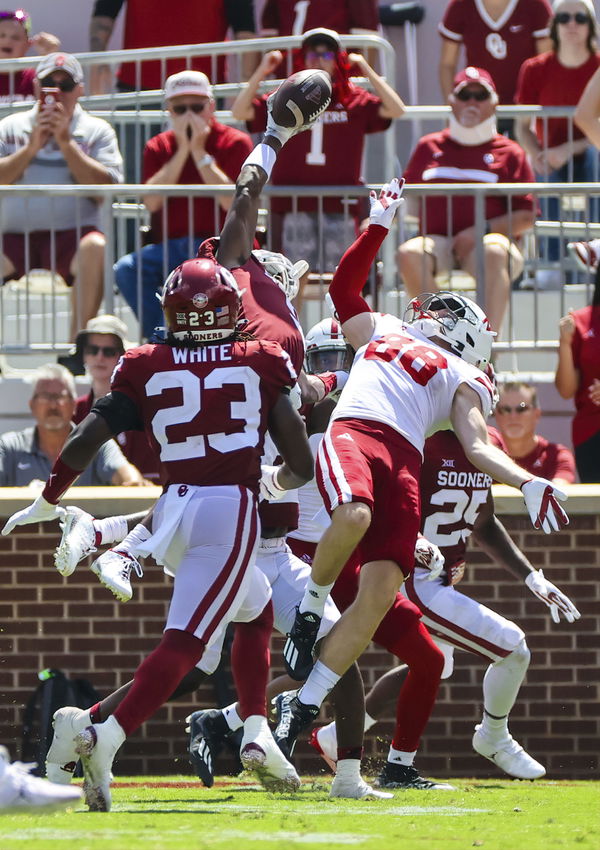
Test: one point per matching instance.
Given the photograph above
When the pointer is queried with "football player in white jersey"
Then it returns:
(408, 378)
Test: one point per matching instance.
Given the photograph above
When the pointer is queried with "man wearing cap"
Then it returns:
(101, 344)
(196, 150)
(57, 142)
(470, 150)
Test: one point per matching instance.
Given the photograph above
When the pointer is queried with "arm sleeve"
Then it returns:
(540, 18)
(107, 8)
(105, 150)
(452, 24)
(119, 412)
(109, 459)
(240, 15)
(352, 272)
(526, 88)
(565, 464)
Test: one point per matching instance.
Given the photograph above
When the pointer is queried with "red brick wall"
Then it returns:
(74, 624)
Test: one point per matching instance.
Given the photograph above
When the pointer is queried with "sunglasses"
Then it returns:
(466, 94)
(506, 409)
(320, 54)
(107, 350)
(182, 108)
(63, 85)
(566, 17)
(59, 398)
(20, 16)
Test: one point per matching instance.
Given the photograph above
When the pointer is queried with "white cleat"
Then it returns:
(113, 569)
(508, 756)
(97, 746)
(62, 758)
(323, 739)
(348, 787)
(77, 542)
(260, 754)
(20, 790)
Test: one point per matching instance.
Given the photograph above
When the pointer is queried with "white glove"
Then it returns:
(38, 511)
(541, 500)
(383, 208)
(429, 556)
(283, 134)
(269, 488)
(552, 596)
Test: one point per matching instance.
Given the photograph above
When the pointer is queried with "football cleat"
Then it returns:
(298, 649)
(406, 777)
(292, 717)
(208, 732)
(62, 758)
(325, 743)
(508, 755)
(113, 569)
(97, 746)
(260, 754)
(77, 542)
(20, 790)
(351, 788)
(585, 254)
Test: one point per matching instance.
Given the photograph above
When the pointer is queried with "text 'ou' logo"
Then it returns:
(200, 300)
(495, 45)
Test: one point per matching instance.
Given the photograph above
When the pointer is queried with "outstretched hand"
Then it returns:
(384, 206)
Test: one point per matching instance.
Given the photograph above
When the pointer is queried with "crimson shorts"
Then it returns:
(44, 246)
(366, 461)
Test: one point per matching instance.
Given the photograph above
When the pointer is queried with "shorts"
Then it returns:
(64, 245)
(440, 248)
(300, 238)
(365, 461)
(457, 620)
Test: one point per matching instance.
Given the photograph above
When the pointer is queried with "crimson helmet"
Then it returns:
(327, 349)
(201, 301)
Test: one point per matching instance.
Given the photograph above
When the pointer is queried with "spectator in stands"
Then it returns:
(329, 154)
(517, 416)
(149, 23)
(472, 151)
(578, 376)
(559, 152)
(27, 456)
(58, 142)
(197, 149)
(15, 41)
(497, 36)
(101, 344)
(587, 114)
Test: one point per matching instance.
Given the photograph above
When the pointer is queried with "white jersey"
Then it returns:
(404, 380)
(313, 519)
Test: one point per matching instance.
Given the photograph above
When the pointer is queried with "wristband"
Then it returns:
(59, 480)
(330, 381)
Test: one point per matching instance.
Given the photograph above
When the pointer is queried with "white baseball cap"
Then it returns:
(187, 82)
(59, 62)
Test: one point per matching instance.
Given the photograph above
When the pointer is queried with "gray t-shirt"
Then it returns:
(94, 136)
(22, 461)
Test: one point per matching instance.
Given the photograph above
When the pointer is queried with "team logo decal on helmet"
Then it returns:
(282, 270)
(200, 300)
(327, 349)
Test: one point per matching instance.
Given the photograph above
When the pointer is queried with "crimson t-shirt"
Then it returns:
(586, 357)
(499, 46)
(289, 17)
(546, 460)
(437, 158)
(22, 86)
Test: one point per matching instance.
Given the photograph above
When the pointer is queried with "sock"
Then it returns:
(232, 718)
(314, 597)
(251, 661)
(138, 534)
(369, 721)
(492, 727)
(110, 530)
(321, 681)
(253, 726)
(401, 757)
(348, 769)
(501, 685)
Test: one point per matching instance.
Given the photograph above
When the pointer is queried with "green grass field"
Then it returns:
(174, 813)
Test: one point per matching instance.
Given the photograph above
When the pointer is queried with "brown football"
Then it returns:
(301, 98)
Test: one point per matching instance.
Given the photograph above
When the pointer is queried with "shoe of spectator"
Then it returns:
(292, 717)
(62, 758)
(355, 789)
(324, 741)
(508, 755)
(260, 754)
(77, 542)
(113, 569)
(97, 746)
(406, 777)
(585, 254)
(20, 790)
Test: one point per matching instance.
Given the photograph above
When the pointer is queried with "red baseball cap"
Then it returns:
(472, 75)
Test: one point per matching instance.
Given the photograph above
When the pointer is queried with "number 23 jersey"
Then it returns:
(206, 409)
(402, 379)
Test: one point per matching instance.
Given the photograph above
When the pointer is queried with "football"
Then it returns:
(301, 98)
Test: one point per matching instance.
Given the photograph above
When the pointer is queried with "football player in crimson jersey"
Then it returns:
(407, 378)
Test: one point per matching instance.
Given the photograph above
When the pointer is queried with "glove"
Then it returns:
(283, 134)
(39, 511)
(541, 500)
(429, 556)
(269, 489)
(552, 596)
(383, 208)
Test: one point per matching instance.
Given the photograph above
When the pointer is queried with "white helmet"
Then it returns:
(456, 319)
(286, 273)
(327, 349)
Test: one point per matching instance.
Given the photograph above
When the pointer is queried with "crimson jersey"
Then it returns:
(500, 46)
(205, 409)
(22, 86)
(547, 460)
(438, 158)
(293, 17)
(586, 358)
(329, 154)
(453, 492)
(545, 81)
(229, 146)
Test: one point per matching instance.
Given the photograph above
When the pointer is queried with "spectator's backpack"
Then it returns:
(53, 692)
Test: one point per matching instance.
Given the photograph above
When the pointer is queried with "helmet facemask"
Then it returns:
(282, 270)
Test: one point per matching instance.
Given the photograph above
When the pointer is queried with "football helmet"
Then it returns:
(456, 319)
(327, 349)
(286, 273)
(201, 301)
